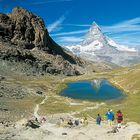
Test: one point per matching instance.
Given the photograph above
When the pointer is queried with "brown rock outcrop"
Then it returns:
(23, 37)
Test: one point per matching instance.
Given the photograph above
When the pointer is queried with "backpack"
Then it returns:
(98, 119)
(113, 117)
(120, 116)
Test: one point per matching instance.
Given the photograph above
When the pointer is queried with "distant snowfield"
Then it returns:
(121, 47)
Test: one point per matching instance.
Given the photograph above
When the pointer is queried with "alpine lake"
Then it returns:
(96, 90)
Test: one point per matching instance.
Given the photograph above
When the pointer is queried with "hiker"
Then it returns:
(110, 117)
(77, 122)
(36, 119)
(119, 118)
(85, 121)
(43, 120)
(98, 119)
(61, 120)
(70, 123)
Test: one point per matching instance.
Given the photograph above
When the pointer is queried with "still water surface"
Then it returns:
(92, 90)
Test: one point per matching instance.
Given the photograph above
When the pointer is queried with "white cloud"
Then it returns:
(131, 39)
(70, 39)
(70, 33)
(125, 26)
(78, 25)
(126, 32)
(54, 26)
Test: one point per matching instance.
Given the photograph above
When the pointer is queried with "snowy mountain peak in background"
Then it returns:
(94, 29)
(93, 34)
(98, 47)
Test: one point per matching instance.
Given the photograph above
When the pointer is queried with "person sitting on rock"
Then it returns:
(43, 120)
(77, 122)
(36, 119)
(85, 121)
(70, 123)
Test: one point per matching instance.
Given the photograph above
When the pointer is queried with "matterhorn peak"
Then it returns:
(95, 26)
(94, 29)
(93, 34)
(96, 46)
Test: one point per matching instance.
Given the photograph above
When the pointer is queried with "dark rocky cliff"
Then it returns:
(24, 38)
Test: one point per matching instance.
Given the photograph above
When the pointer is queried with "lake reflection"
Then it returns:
(92, 90)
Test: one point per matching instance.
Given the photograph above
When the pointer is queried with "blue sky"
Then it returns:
(69, 20)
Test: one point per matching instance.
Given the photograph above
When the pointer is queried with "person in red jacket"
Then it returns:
(119, 118)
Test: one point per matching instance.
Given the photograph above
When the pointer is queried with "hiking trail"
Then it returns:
(36, 109)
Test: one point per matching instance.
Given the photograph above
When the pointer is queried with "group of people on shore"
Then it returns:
(77, 122)
(110, 117)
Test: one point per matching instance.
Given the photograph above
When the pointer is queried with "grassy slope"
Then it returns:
(128, 79)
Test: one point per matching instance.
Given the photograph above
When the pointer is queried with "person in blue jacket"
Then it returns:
(110, 117)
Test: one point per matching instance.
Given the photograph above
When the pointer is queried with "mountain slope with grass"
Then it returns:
(128, 79)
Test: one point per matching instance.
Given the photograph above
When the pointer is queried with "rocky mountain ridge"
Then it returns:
(24, 38)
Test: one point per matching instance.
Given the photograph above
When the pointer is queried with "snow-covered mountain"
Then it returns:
(98, 47)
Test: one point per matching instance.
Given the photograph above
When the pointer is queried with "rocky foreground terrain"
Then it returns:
(54, 128)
